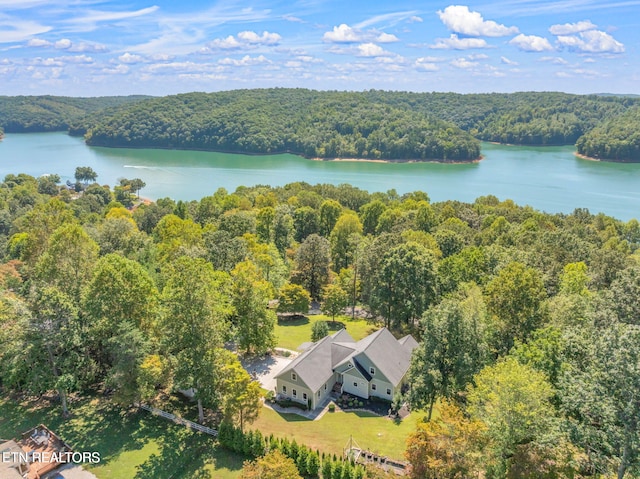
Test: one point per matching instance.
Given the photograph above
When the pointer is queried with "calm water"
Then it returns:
(548, 178)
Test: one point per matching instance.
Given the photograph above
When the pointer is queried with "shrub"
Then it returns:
(332, 407)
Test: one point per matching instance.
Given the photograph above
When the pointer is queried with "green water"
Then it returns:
(548, 178)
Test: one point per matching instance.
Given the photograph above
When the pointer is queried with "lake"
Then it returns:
(551, 179)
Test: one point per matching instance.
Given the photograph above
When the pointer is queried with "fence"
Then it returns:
(178, 420)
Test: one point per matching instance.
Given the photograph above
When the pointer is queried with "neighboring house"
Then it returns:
(374, 366)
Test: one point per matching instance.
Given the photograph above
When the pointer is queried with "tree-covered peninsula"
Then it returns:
(309, 123)
(372, 124)
(25, 114)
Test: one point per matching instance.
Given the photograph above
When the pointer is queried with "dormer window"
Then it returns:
(372, 370)
(294, 377)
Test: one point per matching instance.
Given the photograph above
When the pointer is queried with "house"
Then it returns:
(374, 366)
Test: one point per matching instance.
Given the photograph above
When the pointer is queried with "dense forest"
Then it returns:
(22, 114)
(529, 323)
(618, 138)
(329, 124)
(371, 124)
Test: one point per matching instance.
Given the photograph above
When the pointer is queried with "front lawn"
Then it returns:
(291, 334)
(332, 432)
(132, 444)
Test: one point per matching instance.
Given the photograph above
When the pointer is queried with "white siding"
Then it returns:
(356, 385)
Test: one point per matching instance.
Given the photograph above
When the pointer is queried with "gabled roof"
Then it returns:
(314, 366)
(390, 356)
(408, 342)
(387, 353)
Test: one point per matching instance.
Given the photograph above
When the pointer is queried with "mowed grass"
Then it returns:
(291, 334)
(132, 444)
(332, 432)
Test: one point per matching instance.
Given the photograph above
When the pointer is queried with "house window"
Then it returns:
(318, 393)
(388, 392)
(355, 384)
(325, 387)
(294, 377)
(295, 393)
(304, 395)
(284, 389)
(374, 387)
(372, 370)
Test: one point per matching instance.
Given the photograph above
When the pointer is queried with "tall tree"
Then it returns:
(600, 393)
(405, 284)
(453, 349)
(447, 447)
(335, 299)
(514, 299)
(514, 402)
(69, 260)
(85, 174)
(342, 245)
(195, 309)
(240, 394)
(254, 323)
(312, 265)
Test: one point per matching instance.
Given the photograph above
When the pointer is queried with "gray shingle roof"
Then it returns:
(316, 365)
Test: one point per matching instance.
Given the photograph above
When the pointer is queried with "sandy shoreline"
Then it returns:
(369, 160)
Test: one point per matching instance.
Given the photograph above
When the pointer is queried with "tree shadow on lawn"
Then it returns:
(94, 425)
(185, 454)
(292, 417)
(298, 321)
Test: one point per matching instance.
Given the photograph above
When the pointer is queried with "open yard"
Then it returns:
(134, 445)
(291, 334)
(331, 432)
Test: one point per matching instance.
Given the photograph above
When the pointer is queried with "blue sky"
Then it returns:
(158, 47)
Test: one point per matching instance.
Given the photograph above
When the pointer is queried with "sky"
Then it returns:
(160, 47)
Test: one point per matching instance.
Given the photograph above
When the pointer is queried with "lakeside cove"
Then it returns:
(551, 179)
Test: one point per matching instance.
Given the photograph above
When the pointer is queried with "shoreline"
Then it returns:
(381, 160)
(603, 160)
(288, 152)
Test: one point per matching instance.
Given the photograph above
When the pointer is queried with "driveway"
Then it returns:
(266, 368)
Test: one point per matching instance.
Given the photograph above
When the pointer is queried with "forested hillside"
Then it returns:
(616, 139)
(309, 123)
(371, 124)
(20, 114)
(529, 323)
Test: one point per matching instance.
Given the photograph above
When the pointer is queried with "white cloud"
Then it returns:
(477, 56)
(506, 61)
(254, 39)
(426, 64)
(63, 44)
(88, 47)
(118, 70)
(455, 43)
(571, 28)
(463, 63)
(291, 18)
(343, 33)
(554, 60)
(245, 40)
(38, 43)
(76, 59)
(591, 41)
(531, 43)
(386, 38)
(415, 19)
(371, 50)
(459, 19)
(130, 58)
(244, 61)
